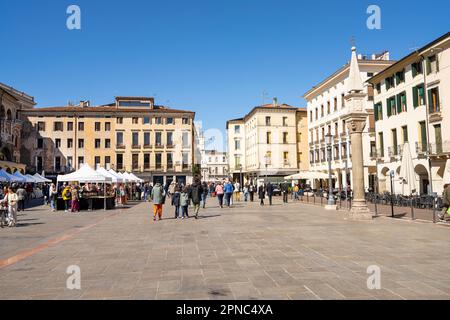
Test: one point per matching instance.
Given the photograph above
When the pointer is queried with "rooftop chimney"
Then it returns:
(84, 104)
(275, 102)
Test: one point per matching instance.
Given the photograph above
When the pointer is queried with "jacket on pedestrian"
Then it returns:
(270, 189)
(196, 193)
(176, 199)
(228, 188)
(184, 199)
(157, 195)
(219, 189)
(262, 192)
(66, 194)
(21, 193)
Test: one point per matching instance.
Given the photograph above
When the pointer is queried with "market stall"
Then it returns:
(97, 197)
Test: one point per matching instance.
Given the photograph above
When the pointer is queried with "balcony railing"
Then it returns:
(147, 146)
(442, 148)
(159, 146)
(136, 146)
(421, 148)
(120, 146)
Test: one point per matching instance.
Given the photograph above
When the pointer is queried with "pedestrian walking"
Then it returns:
(204, 194)
(245, 191)
(11, 200)
(21, 195)
(158, 198)
(261, 193)
(269, 189)
(237, 192)
(251, 191)
(176, 201)
(53, 196)
(285, 192)
(184, 203)
(196, 195)
(220, 193)
(228, 190)
(74, 205)
(67, 197)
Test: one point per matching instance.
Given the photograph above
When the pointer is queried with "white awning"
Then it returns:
(309, 175)
(84, 175)
(106, 173)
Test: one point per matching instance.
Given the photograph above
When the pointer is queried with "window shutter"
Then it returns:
(428, 66)
(389, 113)
(404, 100)
(415, 97)
(437, 63)
(399, 103)
(375, 109)
(430, 101)
(414, 69)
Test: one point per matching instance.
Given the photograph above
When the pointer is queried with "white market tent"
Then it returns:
(106, 173)
(309, 175)
(34, 180)
(24, 178)
(136, 178)
(84, 175)
(9, 177)
(125, 179)
(118, 176)
(129, 177)
(41, 179)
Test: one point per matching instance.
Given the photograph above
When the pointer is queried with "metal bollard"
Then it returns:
(413, 217)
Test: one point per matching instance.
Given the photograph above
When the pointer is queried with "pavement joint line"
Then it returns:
(52, 242)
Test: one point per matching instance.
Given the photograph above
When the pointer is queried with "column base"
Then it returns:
(331, 207)
(359, 211)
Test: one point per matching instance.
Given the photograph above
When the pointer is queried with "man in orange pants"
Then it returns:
(157, 197)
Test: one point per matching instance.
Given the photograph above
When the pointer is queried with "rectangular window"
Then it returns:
(158, 140)
(107, 126)
(269, 137)
(401, 102)
(286, 157)
(58, 126)
(311, 116)
(170, 139)
(285, 121)
(416, 69)
(98, 126)
(146, 161)
(285, 137)
(391, 106)
(185, 121)
(237, 129)
(169, 161)
(97, 160)
(433, 100)
(328, 107)
(108, 162)
(343, 100)
(394, 142)
(378, 110)
(405, 134)
(80, 161)
(378, 87)
(80, 126)
(57, 143)
(69, 163)
(146, 120)
(119, 161)
(97, 144)
(432, 64)
(185, 160)
(423, 136)
(381, 143)
(400, 77)
(335, 103)
(267, 121)
(170, 121)
(119, 139)
(41, 126)
(135, 139)
(418, 96)
(158, 161)
(69, 143)
(119, 120)
(57, 164)
(237, 144)
(146, 139)
(80, 143)
(321, 111)
(135, 120)
(438, 138)
(107, 143)
(135, 162)
(158, 120)
(390, 82)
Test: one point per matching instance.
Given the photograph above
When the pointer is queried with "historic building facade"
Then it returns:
(12, 102)
(412, 104)
(215, 166)
(132, 134)
(326, 116)
(266, 142)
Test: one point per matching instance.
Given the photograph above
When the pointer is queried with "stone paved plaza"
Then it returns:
(294, 251)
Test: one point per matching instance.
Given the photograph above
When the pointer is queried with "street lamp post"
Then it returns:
(331, 203)
(267, 159)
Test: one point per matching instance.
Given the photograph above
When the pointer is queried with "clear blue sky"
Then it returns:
(213, 57)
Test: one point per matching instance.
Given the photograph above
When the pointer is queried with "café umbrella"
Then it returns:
(407, 174)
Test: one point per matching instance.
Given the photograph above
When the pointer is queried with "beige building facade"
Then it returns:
(327, 112)
(412, 104)
(132, 134)
(266, 142)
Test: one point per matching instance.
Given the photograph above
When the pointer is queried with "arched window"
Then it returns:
(8, 115)
(2, 112)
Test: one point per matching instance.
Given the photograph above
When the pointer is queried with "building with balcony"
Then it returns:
(132, 134)
(412, 104)
(215, 165)
(12, 102)
(269, 141)
(326, 116)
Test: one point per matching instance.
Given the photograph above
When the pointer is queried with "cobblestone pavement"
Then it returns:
(293, 251)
